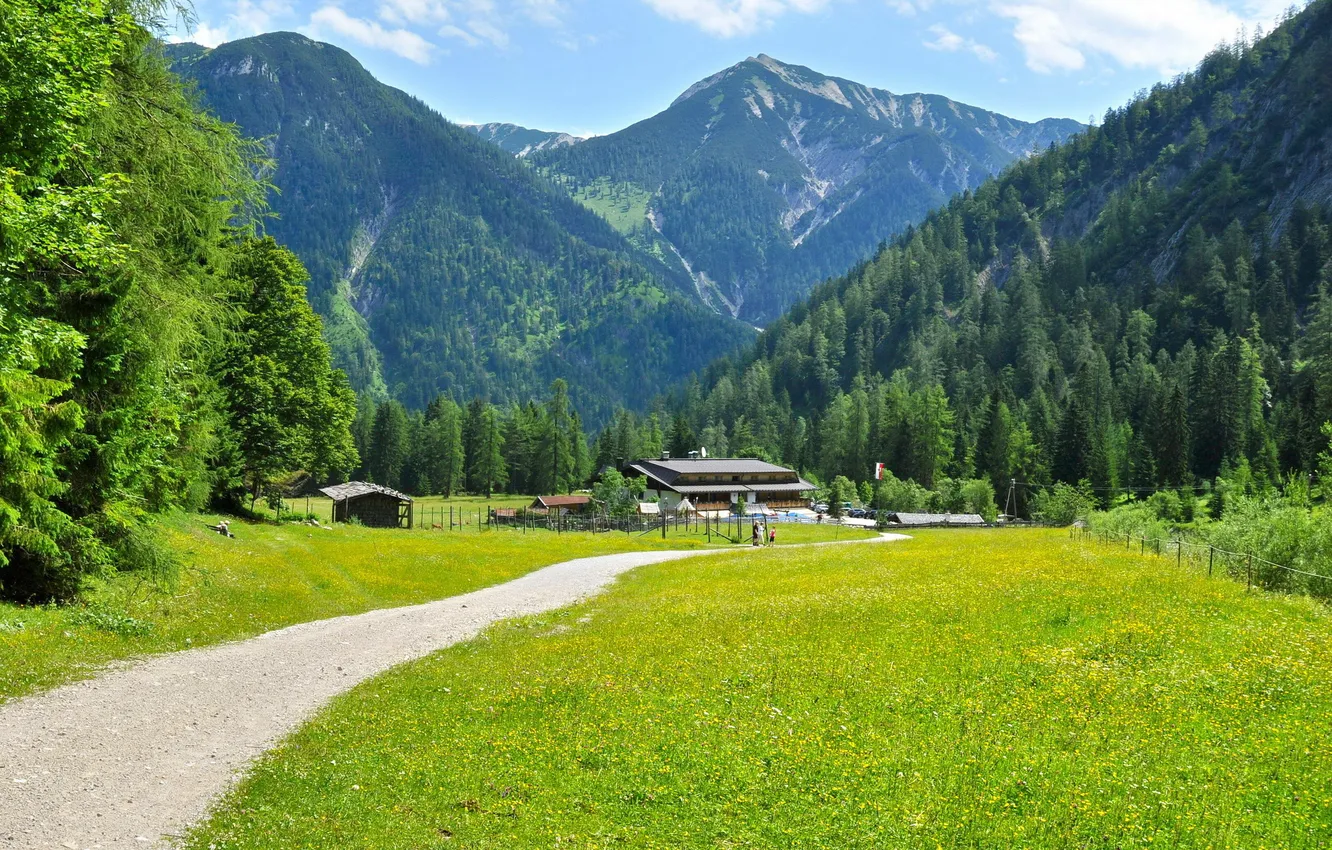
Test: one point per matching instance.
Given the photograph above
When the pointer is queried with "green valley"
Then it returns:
(442, 263)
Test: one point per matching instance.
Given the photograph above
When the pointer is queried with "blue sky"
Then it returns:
(596, 66)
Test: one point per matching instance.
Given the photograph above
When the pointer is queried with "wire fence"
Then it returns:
(1254, 570)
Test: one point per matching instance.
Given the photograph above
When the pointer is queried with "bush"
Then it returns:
(978, 498)
(894, 494)
(1064, 504)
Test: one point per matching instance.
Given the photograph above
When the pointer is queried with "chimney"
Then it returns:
(665, 455)
(693, 455)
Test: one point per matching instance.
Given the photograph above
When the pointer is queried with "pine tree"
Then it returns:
(388, 445)
(1073, 445)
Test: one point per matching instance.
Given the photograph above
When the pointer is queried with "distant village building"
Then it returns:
(561, 505)
(370, 504)
(741, 485)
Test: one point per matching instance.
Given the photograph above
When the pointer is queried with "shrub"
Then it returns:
(894, 494)
(978, 498)
(1064, 504)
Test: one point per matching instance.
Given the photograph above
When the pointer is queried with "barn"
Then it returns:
(370, 504)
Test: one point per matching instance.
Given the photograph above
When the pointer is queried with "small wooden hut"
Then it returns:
(371, 504)
(561, 505)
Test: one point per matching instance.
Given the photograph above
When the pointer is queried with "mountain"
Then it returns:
(1146, 305)
(766, 178)
(520, 141)
(440, 263)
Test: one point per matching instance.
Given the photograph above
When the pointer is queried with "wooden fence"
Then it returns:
(1254, 570)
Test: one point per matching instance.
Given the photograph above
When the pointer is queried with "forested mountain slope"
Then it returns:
(439, 262)
(1137, 307)
(767, 178)
(521, 141)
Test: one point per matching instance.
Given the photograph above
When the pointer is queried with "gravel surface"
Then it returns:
(136, 755)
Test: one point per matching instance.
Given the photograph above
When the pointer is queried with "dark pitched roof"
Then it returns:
(356, 489)
(666, 471)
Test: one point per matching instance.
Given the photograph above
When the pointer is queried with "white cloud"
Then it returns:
(547, 13)
(1164, 35)
(728, 18)
(950, 42)
(490, 31)
(910, 8)
(252, 17)
(476, 22)
(451, 31)
(402, 42)
(245, 18)
(203, 33)
(414, 11)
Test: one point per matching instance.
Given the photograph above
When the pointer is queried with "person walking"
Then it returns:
(772, 535)
(755, 537)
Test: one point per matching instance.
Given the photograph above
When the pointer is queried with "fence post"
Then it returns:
(1142, 549)
(1179, 552)
(1250, 587)
(1211, 558)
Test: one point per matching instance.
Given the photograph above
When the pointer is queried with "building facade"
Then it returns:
(739, 485)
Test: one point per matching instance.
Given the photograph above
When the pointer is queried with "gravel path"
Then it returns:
(138, 754)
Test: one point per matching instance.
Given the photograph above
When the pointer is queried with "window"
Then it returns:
(735, 477)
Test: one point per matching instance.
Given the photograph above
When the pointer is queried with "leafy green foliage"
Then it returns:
(116, 204)
(287, 409)
(616, 495)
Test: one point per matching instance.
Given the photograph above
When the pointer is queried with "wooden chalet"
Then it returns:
(371, 504)
(739, 485)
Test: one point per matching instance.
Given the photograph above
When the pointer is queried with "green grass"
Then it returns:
(963, 689)
(623, 205)
(272, 576)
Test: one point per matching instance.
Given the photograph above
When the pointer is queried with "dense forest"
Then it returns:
(154, 354)
(1143, 306)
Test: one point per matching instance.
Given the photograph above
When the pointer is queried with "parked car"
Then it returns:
(819, 507)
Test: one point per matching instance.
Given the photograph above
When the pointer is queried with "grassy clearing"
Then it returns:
(623, 205)
(964, 689)
(273, 576)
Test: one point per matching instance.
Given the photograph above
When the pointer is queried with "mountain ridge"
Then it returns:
(766, 177)
(522, 141)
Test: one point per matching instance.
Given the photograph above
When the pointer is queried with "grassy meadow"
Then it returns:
(272, 576)
(977, 689)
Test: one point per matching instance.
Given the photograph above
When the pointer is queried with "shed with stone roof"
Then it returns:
(371, 505)
(910, 520)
